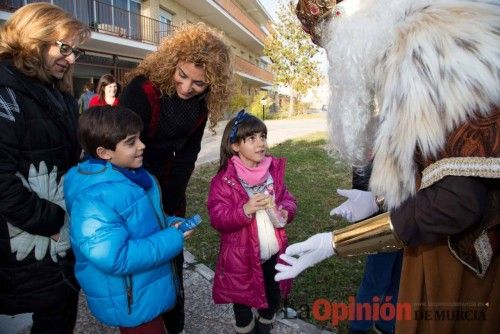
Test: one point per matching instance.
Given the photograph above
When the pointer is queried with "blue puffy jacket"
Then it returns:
(122, 249)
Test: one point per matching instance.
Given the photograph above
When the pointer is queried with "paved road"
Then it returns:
(278, 131)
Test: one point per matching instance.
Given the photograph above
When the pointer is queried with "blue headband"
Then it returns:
(240, 117)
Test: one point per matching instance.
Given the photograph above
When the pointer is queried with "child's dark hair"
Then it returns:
(244, 129)
(106, 126)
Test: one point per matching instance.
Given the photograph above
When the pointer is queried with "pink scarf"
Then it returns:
(252, 175)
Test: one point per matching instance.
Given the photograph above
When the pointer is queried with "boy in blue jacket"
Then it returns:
(120, 236)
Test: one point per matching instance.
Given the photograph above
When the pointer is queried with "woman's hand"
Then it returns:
(256, 203)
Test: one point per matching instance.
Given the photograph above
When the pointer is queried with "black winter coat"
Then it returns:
(37, 127)
(173, 130)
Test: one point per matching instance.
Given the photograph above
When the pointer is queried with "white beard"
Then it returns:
(385, 51)
(353, 42)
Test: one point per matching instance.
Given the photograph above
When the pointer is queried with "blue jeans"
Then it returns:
(381, 278)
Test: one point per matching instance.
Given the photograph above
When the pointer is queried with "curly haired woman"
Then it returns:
(175, 90)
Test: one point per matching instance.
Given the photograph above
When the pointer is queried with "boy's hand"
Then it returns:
(186, 234)
(185, 225)
(256, 203)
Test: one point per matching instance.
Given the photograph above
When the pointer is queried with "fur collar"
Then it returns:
(429, 65)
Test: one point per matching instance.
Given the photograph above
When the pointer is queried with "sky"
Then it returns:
(272, 6)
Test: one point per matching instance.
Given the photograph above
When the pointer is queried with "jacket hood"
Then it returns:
(86, 175)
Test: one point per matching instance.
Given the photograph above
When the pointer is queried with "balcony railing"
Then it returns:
(107, 19)
(247, 67)
(242, 18)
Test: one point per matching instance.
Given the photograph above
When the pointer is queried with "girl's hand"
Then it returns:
(256, 203)
(283, 212)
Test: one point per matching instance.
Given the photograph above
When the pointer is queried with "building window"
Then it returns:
(166, 19)
(69, 6)
(119, 17)
(135, 18)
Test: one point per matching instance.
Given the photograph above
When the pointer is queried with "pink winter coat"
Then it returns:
(238, 274)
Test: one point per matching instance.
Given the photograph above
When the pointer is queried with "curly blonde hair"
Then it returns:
(32, 29)
(198, 44)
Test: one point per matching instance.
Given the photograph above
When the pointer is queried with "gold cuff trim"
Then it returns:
(369, 236)
(460, 166)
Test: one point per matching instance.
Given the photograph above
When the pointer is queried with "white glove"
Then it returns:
(45, 185)
(309, 252)
(359, 205)
(61, 246)
(22, 243)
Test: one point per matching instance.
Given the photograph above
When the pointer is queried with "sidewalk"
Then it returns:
(202, 315)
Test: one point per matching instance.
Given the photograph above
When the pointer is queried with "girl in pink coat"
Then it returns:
(249, 205)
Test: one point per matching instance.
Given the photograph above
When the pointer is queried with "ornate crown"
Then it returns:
(313, 12)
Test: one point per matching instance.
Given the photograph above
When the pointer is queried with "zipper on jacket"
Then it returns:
(130, 294)
(268, 234)
(158, 220)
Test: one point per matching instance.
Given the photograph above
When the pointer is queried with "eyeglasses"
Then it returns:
(67, 49)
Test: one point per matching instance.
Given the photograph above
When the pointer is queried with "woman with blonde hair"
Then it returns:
(107, 92)
(38, 118)
(176, 90)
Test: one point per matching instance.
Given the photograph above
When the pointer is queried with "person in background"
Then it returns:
(87, 95)
(250, 206)
(38, 120)
(175, 90)
(123, 242)
(107, 92)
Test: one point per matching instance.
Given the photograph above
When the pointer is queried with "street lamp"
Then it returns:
(263, 102)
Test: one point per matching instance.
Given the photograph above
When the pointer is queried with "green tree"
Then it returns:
(292, 54)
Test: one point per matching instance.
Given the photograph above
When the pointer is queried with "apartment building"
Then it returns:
(125, 31)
